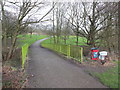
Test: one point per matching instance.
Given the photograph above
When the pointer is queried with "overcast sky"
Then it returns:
(44, 9)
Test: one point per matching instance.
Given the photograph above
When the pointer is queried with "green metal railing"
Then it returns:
(71, 51)
(24, 54)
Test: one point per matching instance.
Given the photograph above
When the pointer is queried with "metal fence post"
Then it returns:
(68, 53)
(81, 54)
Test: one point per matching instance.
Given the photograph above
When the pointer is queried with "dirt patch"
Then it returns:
(97, 67)
(12, 74)
(13, 78)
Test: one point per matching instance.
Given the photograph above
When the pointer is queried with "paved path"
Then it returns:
(51, 71)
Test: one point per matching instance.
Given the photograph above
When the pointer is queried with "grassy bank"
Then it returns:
(109, 78)
(70, 41)
(29, 39)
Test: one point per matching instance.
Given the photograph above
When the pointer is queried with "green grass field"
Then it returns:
(110, 77)
(70, 41)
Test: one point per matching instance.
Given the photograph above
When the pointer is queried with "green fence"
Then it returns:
(72, 51)
(24, 54)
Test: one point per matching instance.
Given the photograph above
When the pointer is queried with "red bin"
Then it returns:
(94, 55)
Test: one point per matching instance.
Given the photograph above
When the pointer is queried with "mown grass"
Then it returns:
(71, 41)
(109, 78)
(28, 39)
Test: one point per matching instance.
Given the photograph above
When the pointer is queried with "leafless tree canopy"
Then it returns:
(95, 21)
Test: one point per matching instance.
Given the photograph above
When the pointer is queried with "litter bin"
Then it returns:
(102, 56)
(94, 53)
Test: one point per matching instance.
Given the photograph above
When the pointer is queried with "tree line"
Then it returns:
(95, 21)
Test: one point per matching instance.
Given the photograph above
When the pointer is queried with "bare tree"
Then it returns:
(118, 29)
(109, 35)
(74, 18)
(54, 25)
(66, 31)
(24, 18)
(94, 18)
(58, 21)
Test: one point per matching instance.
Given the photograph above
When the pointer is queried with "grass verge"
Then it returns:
(70, 41)
(109, 78)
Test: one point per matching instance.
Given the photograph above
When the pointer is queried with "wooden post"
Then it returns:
(68, 53)
(81, 55)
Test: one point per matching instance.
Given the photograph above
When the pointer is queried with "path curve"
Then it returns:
(48, 70)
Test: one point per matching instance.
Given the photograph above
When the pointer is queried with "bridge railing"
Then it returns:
(24, 54)
(71, 51)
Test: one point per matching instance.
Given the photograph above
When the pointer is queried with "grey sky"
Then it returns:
(44, 9)
(37, 15)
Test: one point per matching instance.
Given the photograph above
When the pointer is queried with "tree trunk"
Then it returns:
(119, 29)
(12, 48)
(77, 39)
(57, 39)
(65, 39)
(31, 34)
(0, 43)
(5, 45)
(54, 38)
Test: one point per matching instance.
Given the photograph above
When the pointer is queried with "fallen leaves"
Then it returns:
(13, 78)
